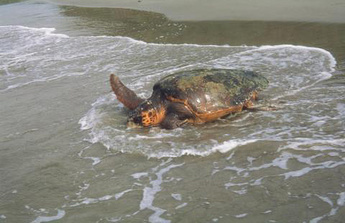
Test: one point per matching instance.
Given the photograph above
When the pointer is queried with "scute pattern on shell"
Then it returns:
(210, 90)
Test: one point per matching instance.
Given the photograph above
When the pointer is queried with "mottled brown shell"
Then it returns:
(211, 90)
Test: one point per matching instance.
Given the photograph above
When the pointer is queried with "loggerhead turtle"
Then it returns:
(195, 96)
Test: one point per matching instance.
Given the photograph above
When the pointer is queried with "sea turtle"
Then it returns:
(194, 96)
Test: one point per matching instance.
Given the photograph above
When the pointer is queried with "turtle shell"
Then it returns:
(211, 90)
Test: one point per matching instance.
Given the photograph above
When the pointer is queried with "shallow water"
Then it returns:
(67, 155)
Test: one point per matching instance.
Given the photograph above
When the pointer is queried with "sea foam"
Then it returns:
(290, 69)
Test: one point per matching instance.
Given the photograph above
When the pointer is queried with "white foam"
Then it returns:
(96, 160)
(82, 188)
(341, 109)
(280, 162)
(44, 31)
(114, 219)
(222, 148)
(242, 53)
(119, 195)
(323, 76)
(40, 219)
(231, 144)
(341, 199)
(160, 135)
(89, 120)
(139, 175)
(315, 144)
(181, 206)
(315, 166)
(325, 199)
(241, 215)
(334, 210)
(87, 200)
(177, 197)
(150, 192)
(333, 62)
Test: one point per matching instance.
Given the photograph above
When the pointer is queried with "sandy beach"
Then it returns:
(332, 11)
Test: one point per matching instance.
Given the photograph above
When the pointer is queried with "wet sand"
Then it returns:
(313, 23)
(155, 27)
(332, 11)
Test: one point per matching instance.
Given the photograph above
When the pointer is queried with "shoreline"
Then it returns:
(155, 27)
(332, 11)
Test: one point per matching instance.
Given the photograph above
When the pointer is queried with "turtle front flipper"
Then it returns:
(125, 95)
(177, 115)
(172, 121)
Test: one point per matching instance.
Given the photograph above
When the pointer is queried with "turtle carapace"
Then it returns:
(195, 96)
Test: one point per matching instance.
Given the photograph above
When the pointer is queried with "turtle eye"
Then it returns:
(137, 119)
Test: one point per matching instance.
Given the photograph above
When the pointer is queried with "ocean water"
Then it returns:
(67, 155)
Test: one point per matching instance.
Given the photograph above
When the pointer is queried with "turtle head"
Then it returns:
(146, 114)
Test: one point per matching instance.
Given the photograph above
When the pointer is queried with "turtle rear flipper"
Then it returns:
(263, 108)
(125, 95)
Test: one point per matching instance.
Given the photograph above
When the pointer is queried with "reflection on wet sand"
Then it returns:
(157, 28)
